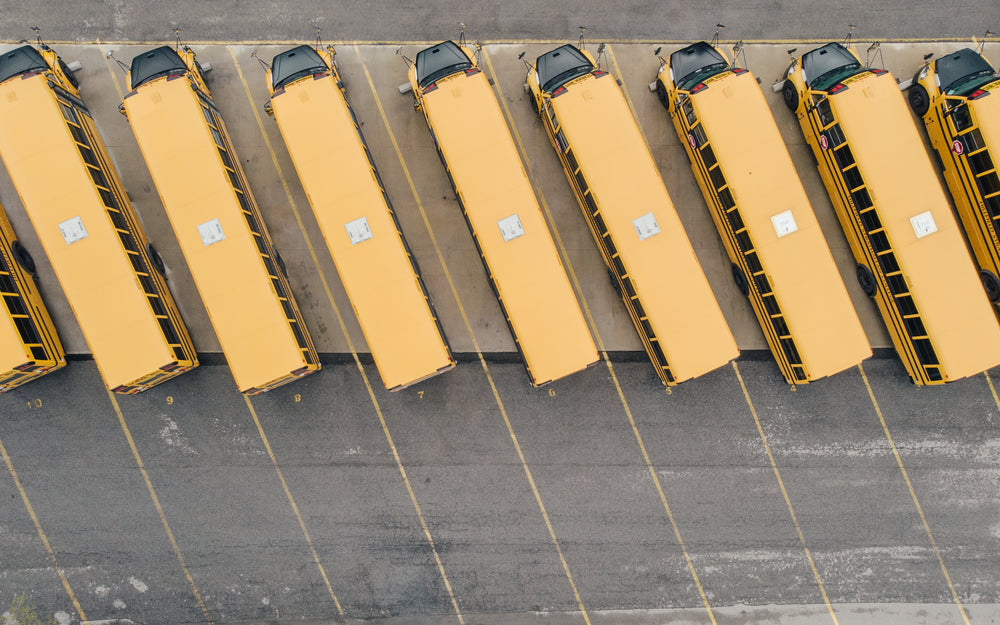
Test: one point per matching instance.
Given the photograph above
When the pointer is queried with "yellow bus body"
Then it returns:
(124, 309)
(220, 229)
(616, 182)
(927, 289)
(526, 273)
(29, 345)
(767, 225)
(965, 132)
(379, 273)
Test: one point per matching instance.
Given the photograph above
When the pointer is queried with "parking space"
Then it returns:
(472, 496)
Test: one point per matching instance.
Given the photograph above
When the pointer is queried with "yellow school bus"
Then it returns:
(379, 273)
(619, 189)
(910, 254)
(779, 257)
(198, 175)
(110, 274)
(949, 94)
(471, 136)
(29, 345)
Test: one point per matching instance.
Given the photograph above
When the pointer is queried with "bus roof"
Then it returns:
(476, 143)
(903, 185)
(332, 163)
(762, 179)
(169, 123)
(52, 180)
(626, 184)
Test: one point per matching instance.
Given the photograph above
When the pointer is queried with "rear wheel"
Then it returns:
(69, 74)
(740, 279)
(154, 258)
(23, 258)
(918, 99)
(991, 284)
(867, 280)
(790, 96)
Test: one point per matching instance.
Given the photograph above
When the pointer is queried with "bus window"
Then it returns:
(216, 220)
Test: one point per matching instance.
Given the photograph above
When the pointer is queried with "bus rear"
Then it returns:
(471, 136)
(781, 260)
(216, 220)
(376, 267)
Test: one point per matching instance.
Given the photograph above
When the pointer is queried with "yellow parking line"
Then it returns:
(913, 495)
(784, 493)
(600, 344)
(475, 344)
(357, 361)
(295, 508)
(114, 79)
(159, 508)
(993, 391)
(41, 534)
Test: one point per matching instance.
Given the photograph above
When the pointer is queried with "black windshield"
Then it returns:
(20, 61)
(293, 64)
(558, 67)
(436, 62)
(826, 66)
(695, 63)
(962, 72)
(153, 64)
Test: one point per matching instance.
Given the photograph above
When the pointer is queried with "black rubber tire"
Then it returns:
(661, 93)
(740, 279)
(614, 283)
(790, 96)
(154, 258)
(23, 258)
(991, 284)
(281, 264)
(918, 100)
(867, 280)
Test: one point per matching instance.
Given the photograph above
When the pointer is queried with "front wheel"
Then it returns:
(790, 95)
(661, 93)
(867, 280)
(918, 99)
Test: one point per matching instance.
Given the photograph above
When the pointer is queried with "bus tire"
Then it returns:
(614, 282)
(154, 258)
(991, 284)
(918, 99)
(740, 279)
(281, 264)
(790, 95)
(661, 93)
(867, 280)
(69, 74)
(23, 258)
